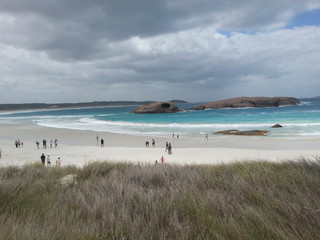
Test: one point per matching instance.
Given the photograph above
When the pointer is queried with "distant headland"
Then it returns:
(242, 102)
(35, 106)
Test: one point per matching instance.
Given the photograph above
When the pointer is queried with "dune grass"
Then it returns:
(245, 200)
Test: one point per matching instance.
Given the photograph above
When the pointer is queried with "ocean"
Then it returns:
(301, 121)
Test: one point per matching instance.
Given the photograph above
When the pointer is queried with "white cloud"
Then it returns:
(172, 49)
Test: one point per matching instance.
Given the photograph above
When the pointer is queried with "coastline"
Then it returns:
(79, 147)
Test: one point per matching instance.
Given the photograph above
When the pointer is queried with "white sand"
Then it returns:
(80, 147)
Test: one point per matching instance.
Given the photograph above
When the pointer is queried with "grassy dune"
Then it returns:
(248, 200)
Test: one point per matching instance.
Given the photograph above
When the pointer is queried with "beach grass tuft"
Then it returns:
(243, 200)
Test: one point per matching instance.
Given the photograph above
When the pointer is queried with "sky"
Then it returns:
(58, 51)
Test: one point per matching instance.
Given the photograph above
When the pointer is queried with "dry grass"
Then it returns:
(248, 200)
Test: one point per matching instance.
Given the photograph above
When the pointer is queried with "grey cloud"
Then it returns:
(110, 50)
(78, 29)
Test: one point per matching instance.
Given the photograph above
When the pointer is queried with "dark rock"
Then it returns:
(252, 133)
(277, 126)
(243, 102)
(157, 107)
(198, 107)
(244, 133)
(227, 132)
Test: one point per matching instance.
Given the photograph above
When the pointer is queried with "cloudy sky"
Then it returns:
(195, 50)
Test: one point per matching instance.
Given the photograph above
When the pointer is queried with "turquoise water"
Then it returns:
(302, 120)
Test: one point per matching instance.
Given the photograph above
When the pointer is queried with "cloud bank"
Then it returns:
(81, 50)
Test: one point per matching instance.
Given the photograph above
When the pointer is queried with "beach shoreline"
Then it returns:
(80, 147)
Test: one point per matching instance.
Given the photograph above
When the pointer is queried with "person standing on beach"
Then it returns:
(43, 159)
(153, 143)
(162, 159)
(167, 146)
(48, 160)
(37, 143)
(102, 142)
(97, 137)
(44, 143)
(58, 162)
(56, 143)
(0, 153)
(169, 149)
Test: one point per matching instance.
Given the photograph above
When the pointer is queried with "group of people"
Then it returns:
(44, 158)
(153, 143)
(178, 135)
(168, 148)
(101, 141)
(161, 160)
(18, 143)
(44, 143)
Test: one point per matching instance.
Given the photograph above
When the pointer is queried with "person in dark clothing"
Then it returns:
(43, 158)
(44, 143)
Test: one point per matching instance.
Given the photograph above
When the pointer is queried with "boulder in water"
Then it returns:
(157, 107)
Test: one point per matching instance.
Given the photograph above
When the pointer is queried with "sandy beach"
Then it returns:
(80, 147)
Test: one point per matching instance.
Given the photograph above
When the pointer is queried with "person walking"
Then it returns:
(169, 149)
(44, 143)
(43, 159)
(97, 137)
(48, 160)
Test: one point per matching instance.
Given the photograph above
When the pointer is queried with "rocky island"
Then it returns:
(243, 102)
(157, 107)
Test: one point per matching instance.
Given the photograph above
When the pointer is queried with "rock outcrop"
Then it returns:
(226, 132)
(243, 102)
(277, 126)
(244, 133)
(157, 107)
